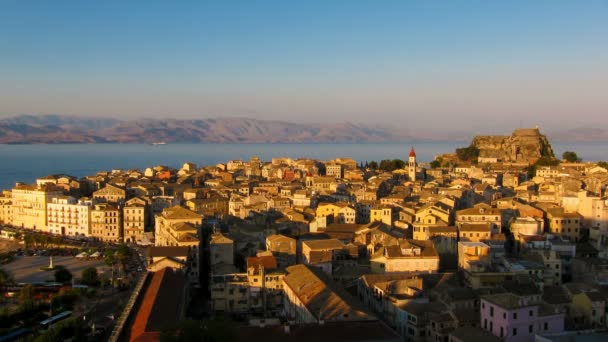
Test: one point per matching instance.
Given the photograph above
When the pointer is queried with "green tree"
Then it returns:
(109, 258)
(469, 153)
(603, 164)
(62, 275)
(571, 157)
(123, 252)
(90, 277)
(435, 164)
(373, 165)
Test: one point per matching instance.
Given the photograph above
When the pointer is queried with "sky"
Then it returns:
(460, 64)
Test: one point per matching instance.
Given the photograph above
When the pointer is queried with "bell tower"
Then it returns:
(411, 165)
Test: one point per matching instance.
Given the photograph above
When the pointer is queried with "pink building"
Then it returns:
(518, 319)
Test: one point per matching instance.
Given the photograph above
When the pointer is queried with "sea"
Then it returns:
(25, 163)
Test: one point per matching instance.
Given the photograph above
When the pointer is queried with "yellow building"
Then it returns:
(381, 213)
(6, 209)
(406, 256)
(111, 194)
(473, 256)
(481, 213)
(106, 222)
(177, 226)
(564, 224)
(341, 212)
(135, 215)
(29, 205)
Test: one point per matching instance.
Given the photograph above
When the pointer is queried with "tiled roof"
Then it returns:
(323, 244)
(322, 297)
(160, 306)
(178, 212)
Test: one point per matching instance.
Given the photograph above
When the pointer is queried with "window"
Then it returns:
(514, 331)
(546, 326)
(515, 315)
(501, 331)
(504, 315)
(531, 313)
(491, 312)
(530, 329)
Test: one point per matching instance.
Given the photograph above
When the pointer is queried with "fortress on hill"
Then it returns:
(524, 145)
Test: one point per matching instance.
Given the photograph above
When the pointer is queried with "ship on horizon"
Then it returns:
(159, 143)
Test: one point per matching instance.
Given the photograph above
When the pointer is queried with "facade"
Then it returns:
(481, 213)
(473, 256)
(335, 170)
(6, 209)
(29, 205)
(221, 250)
(283, 248)
(67, 216)
(135, 217)
(106, 222)
(111, 194)
(514, 318)
(566, 225)
(406, 256)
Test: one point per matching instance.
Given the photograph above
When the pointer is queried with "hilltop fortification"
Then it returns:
(525, 145)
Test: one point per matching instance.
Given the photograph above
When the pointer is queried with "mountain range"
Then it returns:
(24, 129)
(50, 129)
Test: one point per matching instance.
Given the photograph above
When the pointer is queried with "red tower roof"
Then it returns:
(412, 152)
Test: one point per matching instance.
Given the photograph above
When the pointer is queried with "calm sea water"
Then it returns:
(25, 163)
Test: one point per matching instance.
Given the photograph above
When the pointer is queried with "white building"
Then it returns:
(67, 216)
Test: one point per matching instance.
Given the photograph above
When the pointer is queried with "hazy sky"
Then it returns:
(409, 63)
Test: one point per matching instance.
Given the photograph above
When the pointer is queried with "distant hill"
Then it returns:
(50, 129)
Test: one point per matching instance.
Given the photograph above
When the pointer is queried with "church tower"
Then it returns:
(411, 165)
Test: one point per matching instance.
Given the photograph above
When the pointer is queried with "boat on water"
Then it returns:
(159, 143)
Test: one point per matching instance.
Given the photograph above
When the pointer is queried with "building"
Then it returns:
(406, 256)
(283, 248)
(335, 170)
(135, 215)
(163, 303)
(341, 212)
(564, 224)
(67, 216)
(311, 297)
(321, 253)
(480, 213)
(29, 205)
(221, 250)
(473, 256)
(514, 318)
(106, 222)
(6, 208)
(411, 165)
(110, 194)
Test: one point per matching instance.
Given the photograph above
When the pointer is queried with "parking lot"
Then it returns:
(26, 269)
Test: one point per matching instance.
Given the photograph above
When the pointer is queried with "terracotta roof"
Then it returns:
(269, 262)
(161, 305)
(412, 152)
